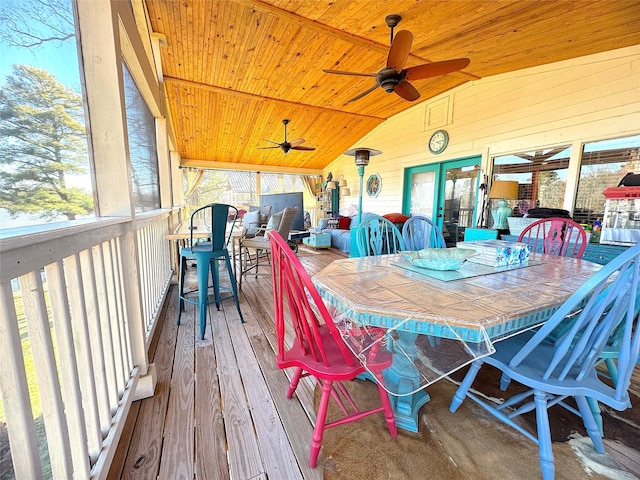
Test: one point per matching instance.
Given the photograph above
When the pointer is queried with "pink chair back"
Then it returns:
(557, 236)
(291, 283)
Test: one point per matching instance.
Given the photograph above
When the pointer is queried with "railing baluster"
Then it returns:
(82, 340)
(69, 368)
(44, 362)
(15, 391)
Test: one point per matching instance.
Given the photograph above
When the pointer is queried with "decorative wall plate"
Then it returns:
(374, 184)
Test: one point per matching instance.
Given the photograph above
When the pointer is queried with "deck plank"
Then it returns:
(211, 443)
(244, 455)
(178, 444)
(276, 452)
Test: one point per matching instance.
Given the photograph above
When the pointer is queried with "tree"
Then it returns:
(42, 143)
(33, 23)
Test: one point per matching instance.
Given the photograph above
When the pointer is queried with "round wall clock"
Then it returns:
(438, 141)
(373, 185)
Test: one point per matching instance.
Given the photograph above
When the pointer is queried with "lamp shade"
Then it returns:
(345, 191)
(504, 189)
(331, 185)
(342, 183)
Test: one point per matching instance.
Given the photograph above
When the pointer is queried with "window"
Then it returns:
(602, 165)
(44, 160)
(141, 130)
(541, 176)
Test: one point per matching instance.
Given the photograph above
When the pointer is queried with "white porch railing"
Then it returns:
(78, 307)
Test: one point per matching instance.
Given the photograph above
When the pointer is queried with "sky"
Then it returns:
(60, 59)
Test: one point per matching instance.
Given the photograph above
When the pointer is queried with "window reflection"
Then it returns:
(541, 176)
(603, 164)
(142, 147)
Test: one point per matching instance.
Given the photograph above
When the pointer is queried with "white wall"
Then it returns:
(572, 102)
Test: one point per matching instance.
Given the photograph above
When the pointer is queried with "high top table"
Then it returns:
(437, 324)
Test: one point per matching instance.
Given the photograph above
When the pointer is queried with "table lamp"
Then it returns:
(362, 160)
(503, 190)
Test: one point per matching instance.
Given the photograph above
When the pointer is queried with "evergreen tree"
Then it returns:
(42, 143)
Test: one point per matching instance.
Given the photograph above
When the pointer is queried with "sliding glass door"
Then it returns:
(445, 192)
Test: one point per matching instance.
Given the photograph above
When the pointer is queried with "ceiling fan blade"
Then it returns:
(302, 147)
(340, 72)
(360, 95)
(400, 49)
(265, 148)
(296, 142)
(270, 141)
(436, 68)
(407, 91)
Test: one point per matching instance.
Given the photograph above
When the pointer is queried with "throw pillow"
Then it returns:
(333, 223)
(274, 221)
(396, 217)
(343, 223)
(251, 221)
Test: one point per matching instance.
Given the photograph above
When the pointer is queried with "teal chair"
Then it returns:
(376, 236)
(602, 307)
(220, 219)
(421, 232)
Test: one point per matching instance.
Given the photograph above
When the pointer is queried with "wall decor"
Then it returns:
(374, 184)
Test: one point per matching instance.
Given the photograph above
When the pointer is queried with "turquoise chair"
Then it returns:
(558, 369)
(376, 236)
(220, 219)
(421, 232)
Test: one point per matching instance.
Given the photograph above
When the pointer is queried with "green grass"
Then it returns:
(34, 395)
(36, 406)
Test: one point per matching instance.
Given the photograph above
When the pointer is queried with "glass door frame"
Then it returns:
(440, 169)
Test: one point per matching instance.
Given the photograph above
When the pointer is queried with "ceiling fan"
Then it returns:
(286, 145)
(394, 77)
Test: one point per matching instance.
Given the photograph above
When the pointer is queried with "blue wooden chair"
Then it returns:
(421, 232)
(566, 367)
(376, 236)
(207, 255)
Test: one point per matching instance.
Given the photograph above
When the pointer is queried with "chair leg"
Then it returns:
(597, 415)
(464, 387)
(215, 275)
(181, 274)
(234, 288)
(321, 418)
(388, 410)
(594, 430)
(544, 436)
(294, 381)
(203, 286)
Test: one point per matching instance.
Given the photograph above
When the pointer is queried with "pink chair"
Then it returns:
(318, 349)
(558, 236)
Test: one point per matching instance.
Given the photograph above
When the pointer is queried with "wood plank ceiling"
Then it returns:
(234, 69)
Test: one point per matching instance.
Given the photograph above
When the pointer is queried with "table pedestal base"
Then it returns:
(406, 408)
(402, 376)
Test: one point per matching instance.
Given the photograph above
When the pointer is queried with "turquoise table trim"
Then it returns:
(436, 327)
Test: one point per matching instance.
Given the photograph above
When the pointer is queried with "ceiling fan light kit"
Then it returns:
(286, 145)
(394, 77)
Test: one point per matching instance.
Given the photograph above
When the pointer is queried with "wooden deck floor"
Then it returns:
(220, 409)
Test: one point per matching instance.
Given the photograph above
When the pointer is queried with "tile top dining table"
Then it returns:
(437, 322)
